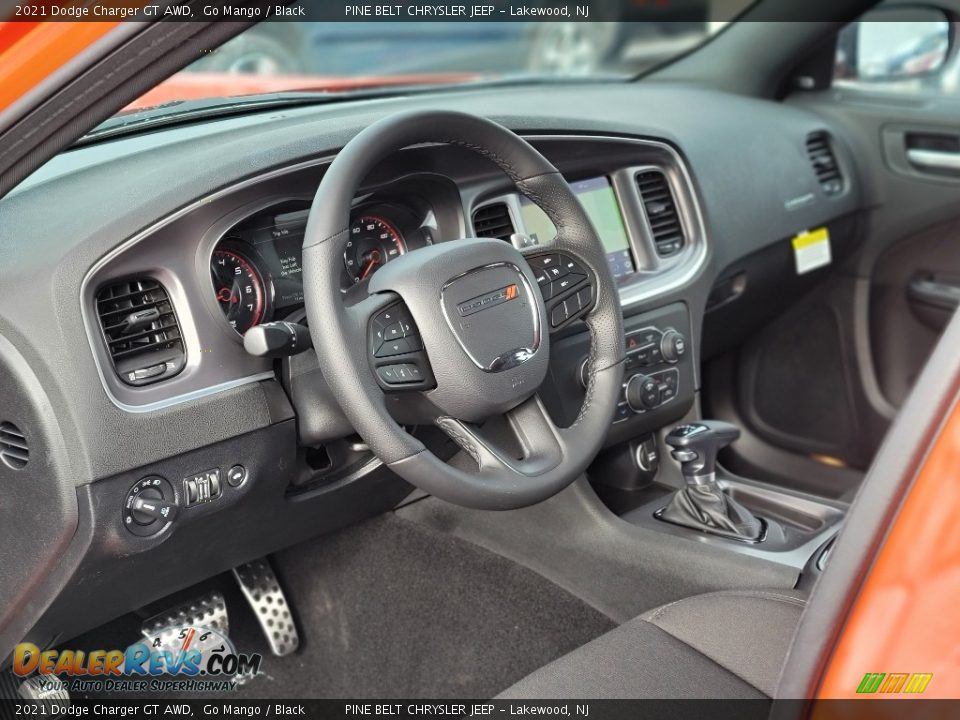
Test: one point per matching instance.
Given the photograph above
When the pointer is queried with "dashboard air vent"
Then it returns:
(824, 163)
(661, 212)
(141, 331)
(493, 221)
(14, 451)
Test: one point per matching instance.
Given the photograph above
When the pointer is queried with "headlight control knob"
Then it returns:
(150, 506)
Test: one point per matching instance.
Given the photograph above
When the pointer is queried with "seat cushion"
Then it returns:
(729, 644)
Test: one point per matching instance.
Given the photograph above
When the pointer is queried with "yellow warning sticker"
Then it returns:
(811, 250)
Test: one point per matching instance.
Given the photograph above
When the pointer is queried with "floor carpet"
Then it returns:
(391, 609)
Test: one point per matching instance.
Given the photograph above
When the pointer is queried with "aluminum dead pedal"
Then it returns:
(208, 611)
(262, 590)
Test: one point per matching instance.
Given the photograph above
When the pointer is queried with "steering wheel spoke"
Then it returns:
(534, 441)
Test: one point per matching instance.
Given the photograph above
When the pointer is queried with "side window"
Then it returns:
(899, 49)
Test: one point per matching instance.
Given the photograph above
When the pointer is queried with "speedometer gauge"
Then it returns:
(373, 242)
(240, 290)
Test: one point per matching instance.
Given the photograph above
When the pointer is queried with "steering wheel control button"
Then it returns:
(550, 262)
(236, 476)
(389, 374)
(149, 506)
(402, 374)
(203, 487)
(394, 333)
(565, 286)
(558, 315)
(394, 337)
(393, 347)
(585, 297)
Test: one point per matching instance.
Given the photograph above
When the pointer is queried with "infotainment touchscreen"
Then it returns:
(599, 200)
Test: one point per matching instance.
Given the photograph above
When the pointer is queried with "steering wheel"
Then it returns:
(458, 333)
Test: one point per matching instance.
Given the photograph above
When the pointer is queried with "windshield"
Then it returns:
(292, 56)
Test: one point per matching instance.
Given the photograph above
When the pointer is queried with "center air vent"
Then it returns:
(824, 163)
(14, 451)
(493, 221)
(141, 331)
(661, 212)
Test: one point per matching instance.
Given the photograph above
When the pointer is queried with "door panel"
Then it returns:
(915, 289)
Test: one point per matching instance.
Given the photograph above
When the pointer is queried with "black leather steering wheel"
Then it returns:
(473, 330)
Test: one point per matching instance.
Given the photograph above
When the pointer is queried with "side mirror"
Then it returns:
(894, 43)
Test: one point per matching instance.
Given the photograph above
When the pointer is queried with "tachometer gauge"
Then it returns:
(240, 290)
(373, 242)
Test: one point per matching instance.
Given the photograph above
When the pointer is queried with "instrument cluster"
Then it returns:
(257, 270)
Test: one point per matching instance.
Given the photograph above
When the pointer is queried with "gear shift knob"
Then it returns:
(695, 447)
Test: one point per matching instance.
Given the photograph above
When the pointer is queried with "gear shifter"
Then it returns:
(701, 504)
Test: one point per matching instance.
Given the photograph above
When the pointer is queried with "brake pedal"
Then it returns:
(267, 600)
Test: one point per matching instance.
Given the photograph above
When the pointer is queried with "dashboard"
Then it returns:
(256, 267)
(110, 397)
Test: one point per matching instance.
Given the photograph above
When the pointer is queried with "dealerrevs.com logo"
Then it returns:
(189, 658)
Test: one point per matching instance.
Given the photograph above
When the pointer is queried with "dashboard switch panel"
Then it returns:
(203, 487)
(659, 380)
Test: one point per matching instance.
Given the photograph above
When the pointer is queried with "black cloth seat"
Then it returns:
(729, 644)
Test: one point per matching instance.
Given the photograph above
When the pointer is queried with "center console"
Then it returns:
(659, 383)
(692, 496)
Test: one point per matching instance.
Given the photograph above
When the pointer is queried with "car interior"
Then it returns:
(563, 389)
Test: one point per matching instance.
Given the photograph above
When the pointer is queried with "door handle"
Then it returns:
(936, 291)
(934, 159)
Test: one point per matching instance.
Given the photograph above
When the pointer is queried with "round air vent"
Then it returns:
(13, 446)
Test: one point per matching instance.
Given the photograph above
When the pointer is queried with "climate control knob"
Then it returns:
(672, 346)
(642, 392)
